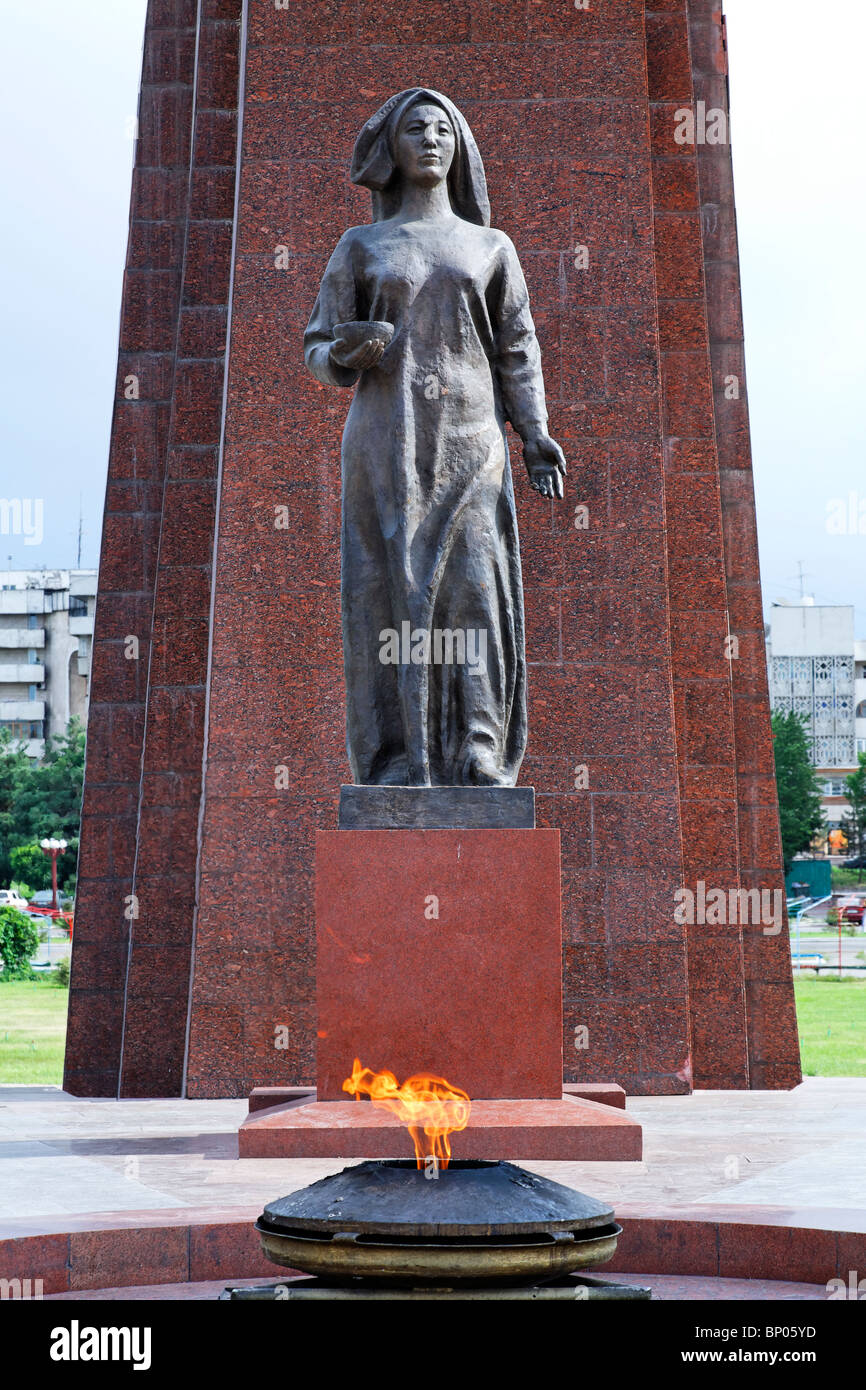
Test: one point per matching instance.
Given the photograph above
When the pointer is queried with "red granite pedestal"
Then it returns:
(441, 951)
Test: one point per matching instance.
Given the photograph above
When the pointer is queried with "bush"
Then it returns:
(60, 974)
(19, 940)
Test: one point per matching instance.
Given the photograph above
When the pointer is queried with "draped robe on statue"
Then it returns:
(429, 532)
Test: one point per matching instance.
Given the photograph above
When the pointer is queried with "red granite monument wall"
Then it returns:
(130, 539)
(137, 864)
(771, 1023)
(563, 170)
(701, 660)
(641, 748)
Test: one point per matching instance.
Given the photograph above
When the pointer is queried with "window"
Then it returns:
(77, 606)
(18, 729)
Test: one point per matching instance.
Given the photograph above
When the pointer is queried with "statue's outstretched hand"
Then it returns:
(545, 464)
(357, 359)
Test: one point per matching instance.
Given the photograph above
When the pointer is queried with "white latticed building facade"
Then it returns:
(821, 688)
(818, 670)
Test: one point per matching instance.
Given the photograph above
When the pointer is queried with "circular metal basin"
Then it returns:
(477, 1222)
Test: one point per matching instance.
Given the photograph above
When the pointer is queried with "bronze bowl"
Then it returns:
(475, 1223)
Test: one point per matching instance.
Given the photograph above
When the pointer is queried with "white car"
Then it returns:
(10, 898)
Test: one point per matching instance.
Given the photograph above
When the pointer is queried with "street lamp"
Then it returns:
(54, 848)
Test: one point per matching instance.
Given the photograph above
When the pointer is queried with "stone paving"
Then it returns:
(62, 1157)
(667, 1288)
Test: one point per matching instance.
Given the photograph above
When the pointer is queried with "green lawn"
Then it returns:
(831, 1020)
(847, 878)
(32, 1033)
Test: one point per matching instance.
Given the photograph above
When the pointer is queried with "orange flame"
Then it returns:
(430, 1107)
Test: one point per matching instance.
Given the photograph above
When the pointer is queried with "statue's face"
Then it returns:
(425, 142)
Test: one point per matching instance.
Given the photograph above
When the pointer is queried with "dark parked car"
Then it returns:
(858, 862)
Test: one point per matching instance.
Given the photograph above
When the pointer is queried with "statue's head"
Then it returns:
(424, 143)
(420, 135)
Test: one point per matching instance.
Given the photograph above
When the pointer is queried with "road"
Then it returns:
(827, 945)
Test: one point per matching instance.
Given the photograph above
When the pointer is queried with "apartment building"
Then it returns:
(46, 633)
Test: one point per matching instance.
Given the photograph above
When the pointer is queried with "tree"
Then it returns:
(50, 799)
(854, 823)
(38, 801)
(15, 767)
(31, 865)
(19, 939)
(800, 813)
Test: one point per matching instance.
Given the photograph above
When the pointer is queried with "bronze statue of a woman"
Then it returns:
(426, 313)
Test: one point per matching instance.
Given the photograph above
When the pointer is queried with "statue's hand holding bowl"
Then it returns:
(545, 464)
(359, 345)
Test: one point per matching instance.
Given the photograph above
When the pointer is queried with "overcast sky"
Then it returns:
(67, 104)
(797, 135)
(68, 100)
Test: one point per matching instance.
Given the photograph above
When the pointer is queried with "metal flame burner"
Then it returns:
(475, 1223)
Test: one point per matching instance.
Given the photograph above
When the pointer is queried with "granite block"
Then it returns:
(448, 900)
(437, 808)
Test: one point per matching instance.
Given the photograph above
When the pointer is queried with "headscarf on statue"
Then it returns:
(373, 163)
